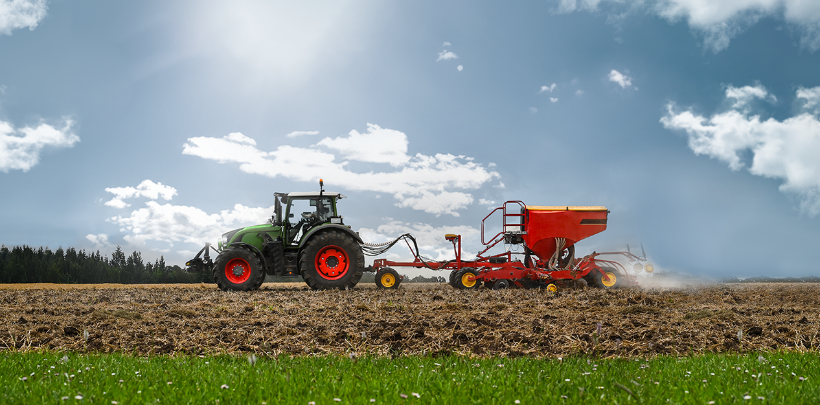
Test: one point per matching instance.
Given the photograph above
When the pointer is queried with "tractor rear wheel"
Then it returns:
(388, 278)
(613, 275)
(465, 279)
(331, 260)
(238, 269)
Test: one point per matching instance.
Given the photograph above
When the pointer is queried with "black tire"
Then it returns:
(452, 279)
(340, 260)
(580, 284)
(238, 269)
(260, 281)
(601, 283)
(388, 278)
(463, 284)
(501, 285)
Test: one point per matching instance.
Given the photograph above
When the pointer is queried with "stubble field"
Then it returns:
(429, 319)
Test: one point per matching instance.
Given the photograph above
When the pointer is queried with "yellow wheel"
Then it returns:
(388, 278)
(649, 268)
(612, 278)
(466, 279)
(551, 287)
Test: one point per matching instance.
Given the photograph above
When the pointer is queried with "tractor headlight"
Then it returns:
(649, 268)
(226, 237)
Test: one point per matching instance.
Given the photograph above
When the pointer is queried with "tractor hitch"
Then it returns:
(201, 264)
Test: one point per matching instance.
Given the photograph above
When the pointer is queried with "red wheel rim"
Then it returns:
(332, 262)
(238, 271)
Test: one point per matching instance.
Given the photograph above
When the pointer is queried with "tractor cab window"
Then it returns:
(306, 213)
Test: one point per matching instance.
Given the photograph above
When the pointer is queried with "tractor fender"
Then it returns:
(253, 249)
(330, 226)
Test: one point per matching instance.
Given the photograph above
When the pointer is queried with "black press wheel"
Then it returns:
(388, 278)
(331, 260)
(501, 285)
(238, 269)
(465, 279)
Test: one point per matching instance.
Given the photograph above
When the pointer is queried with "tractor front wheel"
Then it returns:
(388, 278)
(331, 260)
(238, 269)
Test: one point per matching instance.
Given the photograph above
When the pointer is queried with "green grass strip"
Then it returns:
(52, 378)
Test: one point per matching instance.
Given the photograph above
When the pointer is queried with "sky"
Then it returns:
(159, 125)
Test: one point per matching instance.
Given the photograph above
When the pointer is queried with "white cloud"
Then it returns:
(99, 240)
(486, 202)
(377, 145)
(178, 223)
(446, 55)
(554, 99)
(533, 110)
(238, 137)
(743, 96)
(811, 98)
(434, 184)
(294, 134)
(549, 88)
(16, 14)
(623, 80)
(785, 150)
(23, 152)
(446, 44)
(717, 22)
(579, 92)
(147, 189)
(460, 68)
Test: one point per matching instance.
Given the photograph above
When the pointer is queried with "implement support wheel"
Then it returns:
(551, 287)
(388, 278)
(613, 275)
(465, 279)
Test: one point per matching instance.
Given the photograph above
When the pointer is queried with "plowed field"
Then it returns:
(416, 319)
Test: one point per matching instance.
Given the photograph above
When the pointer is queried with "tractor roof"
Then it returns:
(315, 194)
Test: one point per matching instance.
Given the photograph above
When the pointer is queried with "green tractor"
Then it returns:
(310, 240)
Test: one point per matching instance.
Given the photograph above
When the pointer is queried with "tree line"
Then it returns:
(25, 264)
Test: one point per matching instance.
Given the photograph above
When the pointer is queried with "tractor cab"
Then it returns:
(303, 211)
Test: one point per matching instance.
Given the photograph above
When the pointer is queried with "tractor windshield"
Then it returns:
(305, 213)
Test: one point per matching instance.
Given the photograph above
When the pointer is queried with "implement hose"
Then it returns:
(555, 260)
(375, 249)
